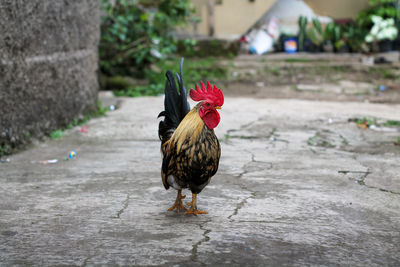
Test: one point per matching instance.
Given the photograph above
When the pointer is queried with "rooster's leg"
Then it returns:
(178, 202)
(193, 207)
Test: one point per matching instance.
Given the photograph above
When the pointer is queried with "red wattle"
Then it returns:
(210, 117)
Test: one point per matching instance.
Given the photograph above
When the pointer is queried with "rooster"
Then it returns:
(189, 146)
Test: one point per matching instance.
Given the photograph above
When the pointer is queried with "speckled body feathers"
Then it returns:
(191, 155)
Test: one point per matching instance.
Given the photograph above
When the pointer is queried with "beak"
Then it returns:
(217, 107)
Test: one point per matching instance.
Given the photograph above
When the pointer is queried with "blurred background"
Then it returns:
(138, 38)
(55, 57)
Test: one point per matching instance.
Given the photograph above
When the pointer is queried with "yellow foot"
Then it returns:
(195, 211)
(178, 205)
(193, 207)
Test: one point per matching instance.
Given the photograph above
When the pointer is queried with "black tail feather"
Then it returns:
(175, 104)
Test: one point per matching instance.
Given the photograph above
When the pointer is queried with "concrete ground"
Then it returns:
(298, 185)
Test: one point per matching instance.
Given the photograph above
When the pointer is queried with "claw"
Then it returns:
(178, 205)
(196, 211)
(193, 207)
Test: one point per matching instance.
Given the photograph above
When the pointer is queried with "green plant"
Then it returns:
(194, 71)
(387, 73)
(368, 121)
(5, 149)
(274, 70)
(337, 33)
(56, 134)
(328, 34)
(302, 35)
(319, 140)
(354, 37)
(98, 112)
(385, 9)
(339, 44)
(136, 33)
(392, 123)
(383, 29)
(316, 33)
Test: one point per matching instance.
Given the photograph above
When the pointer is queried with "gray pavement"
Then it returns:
(298, 185)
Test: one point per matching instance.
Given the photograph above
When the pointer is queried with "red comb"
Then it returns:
(213, 94)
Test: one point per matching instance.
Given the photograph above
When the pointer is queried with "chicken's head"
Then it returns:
(212, 99)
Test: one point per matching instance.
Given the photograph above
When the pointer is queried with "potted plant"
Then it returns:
(382, 33)
(328, 37)
(302, 35)
(315, 34)
(355, 38)
(340, 44)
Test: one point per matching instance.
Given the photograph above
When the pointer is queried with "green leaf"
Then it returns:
(144, 17)
(57, 134)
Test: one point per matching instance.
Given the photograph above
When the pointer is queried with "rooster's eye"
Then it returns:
(207, 104)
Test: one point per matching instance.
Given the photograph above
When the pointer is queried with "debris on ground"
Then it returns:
(382, 88)
(72, 154)
(261, 41)
(4, 160)
(50, 161)
(365, 123)
(84, 129)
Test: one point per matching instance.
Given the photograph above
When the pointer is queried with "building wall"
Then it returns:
(288, 12)
(236, 17)
(48, 64)
(232, 18)
(338, 9)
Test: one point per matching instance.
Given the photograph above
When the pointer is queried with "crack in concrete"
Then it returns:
(195, 246)
(369, 186)
(347, 171)
(253, 157)
(86, 261)
(252, 193)
(125, 205)
(361, 180)
(273, 137)
(229, 131)
(253, 160)
(242, 203)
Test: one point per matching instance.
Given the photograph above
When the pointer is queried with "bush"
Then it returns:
(194, 70)
(383, 8)
(137, 33)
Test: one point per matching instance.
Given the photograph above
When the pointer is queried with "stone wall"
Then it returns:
(48, 65)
